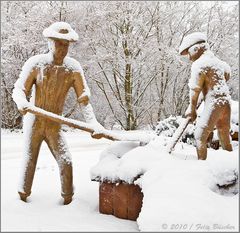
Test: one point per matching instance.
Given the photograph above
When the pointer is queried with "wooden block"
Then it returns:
(120, 200)
(135, 197)
(106, 198)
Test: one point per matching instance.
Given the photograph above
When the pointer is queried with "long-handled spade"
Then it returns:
(90, 128)
(108, 134)
(178, 133)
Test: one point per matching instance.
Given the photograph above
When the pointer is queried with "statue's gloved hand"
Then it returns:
(98, 133)
(84, 100)
(192, 115)
(23, 111)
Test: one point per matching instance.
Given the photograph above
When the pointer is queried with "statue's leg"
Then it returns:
(58, 147)
(205, 125)
(201, 141)
(33, 140)
(223, 127)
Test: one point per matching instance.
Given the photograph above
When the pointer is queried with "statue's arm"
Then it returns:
(22, 89)
(83, 97)
(194, 93)
(81, 89)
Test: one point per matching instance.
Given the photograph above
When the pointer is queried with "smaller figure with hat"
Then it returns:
(48, 78)
(208, 75)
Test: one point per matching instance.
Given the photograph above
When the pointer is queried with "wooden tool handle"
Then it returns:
(178, 133)
(66, 121)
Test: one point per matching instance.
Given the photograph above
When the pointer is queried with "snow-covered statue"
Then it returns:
(48, 78)
(209, 76)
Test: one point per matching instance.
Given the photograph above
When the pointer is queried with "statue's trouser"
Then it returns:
(218, 115)
(55, 141)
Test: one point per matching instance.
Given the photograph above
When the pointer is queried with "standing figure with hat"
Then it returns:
(208, 75)
(48, 78)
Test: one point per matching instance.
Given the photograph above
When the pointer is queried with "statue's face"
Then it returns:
(61, 48)
(197, 50)
(193, 52)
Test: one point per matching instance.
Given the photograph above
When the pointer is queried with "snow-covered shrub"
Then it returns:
(168, 126)
(188, 135)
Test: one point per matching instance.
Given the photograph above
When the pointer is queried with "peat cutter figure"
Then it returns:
(48, 77)
(208, 75)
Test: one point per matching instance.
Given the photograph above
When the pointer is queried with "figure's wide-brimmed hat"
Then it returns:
(60, 31)
(190, 40)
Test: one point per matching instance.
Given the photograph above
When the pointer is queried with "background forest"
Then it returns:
(128, 50)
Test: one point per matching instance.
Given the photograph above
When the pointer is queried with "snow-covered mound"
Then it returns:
(178, 188)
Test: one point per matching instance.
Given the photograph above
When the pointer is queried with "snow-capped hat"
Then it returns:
(62, 31)
(190, 40)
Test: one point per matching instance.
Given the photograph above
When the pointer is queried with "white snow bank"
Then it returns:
(44, 212)
(125, 161)
(178, 188)
(106, 169)
(181, 193)
(53, 31)
(191, 39)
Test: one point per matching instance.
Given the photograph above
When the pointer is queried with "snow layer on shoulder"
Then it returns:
(207, 60)
(40, 61)
(18, 95)
(75, 66)
(34, 61)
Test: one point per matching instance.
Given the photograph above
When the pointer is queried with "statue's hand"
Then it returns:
(97, 134)
(84, 100)
(192, 115)
(23, 111)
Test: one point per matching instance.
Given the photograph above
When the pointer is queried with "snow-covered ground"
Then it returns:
(44, 211)
(180, 192)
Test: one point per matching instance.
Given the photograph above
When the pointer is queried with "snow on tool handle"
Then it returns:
(178, 133)
(91, 128)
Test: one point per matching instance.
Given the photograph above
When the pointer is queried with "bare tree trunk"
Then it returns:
(128, 98)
